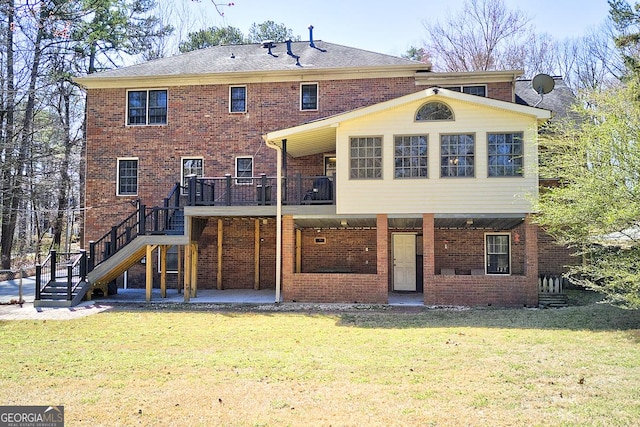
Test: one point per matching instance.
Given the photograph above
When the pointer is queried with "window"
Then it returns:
(505, 154)
(147, 107)
(191, 166)
(329, 165)
(498, 259)
(172, 260)
(434, 111)
(411, 156)
(479, 90)
(309, 96)
(366, 158)
(238, 99)
(244, 169)
(457, 155)
(127, 177)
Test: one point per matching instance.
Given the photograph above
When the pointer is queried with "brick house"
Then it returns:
(327, 173)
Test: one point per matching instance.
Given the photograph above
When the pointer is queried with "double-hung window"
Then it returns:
(238, 99)
(191, 166)
(411, 156)
(457, 155)
(504, 154)
(309, 96)
(127, 177)
(244, 170)
(147, 107)
(366, 157)
(498, 254)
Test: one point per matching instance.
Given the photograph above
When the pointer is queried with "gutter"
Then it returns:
(278, 149)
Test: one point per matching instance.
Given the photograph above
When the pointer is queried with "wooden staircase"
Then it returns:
(111, 255)
(56, 294)
(546, 300)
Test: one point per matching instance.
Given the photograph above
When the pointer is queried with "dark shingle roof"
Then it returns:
(559, 101)
(256, 58)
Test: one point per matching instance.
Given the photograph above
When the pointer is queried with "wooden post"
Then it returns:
(194, 269)
(298, 251)
(219, 274)
(163, 271)
(180, 280)
(187, 272)
(149, 265)
(256, 256)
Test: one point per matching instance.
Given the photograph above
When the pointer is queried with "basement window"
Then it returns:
(498, 253)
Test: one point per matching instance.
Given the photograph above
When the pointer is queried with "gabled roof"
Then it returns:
(559, 101)
(320, 136)
(254, 58)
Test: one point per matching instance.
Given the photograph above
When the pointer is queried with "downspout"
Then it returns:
(278, 213)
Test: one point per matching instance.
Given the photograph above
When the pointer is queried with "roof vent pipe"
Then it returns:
(268, 44)
(290, 53)
(311, 36)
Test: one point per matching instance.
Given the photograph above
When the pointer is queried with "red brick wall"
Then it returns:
(344, 251)
(238, 261)
(341, 287)
(552, 257)
(464, 249)
(199, 124)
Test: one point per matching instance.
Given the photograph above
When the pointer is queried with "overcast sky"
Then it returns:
(387, 26)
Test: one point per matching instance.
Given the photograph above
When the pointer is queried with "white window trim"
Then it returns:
(317, 95)
(475, 155)
(522, 175)
(245, 99)
(182, 159)
(486, 254)
(238, 179)
(126, 110)
(118, 160)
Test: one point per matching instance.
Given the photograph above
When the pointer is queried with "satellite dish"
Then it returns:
(543, 84)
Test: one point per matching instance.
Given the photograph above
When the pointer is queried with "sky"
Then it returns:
(388, 26)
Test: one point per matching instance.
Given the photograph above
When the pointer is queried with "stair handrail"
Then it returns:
(144, 220)
(76, 270)
(48, 270)
(43, 273)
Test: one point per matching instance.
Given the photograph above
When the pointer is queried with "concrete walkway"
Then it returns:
(9, 291)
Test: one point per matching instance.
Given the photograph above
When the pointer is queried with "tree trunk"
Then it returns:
(10, 212)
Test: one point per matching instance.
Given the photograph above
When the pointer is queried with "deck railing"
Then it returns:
(259, 191)
(70, 267)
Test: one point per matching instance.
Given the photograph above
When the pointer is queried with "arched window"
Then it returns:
(434, 111)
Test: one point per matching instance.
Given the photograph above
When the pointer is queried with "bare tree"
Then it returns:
(484, 35)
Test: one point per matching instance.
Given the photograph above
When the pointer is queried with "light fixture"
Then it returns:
(343, 222)
(470, 221)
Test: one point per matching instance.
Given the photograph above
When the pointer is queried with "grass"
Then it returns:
(578, 366)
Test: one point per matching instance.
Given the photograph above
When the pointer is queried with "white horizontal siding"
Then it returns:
(434, 194)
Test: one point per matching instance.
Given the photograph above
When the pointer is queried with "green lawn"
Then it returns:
(578, 366)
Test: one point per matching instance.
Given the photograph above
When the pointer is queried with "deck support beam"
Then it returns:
(298, 250)
(194, 269)
(219, 273)
(187, 272)
(149, 271)
(256, 256)
(163, 271)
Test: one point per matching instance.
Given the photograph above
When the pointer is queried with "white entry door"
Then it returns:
(404, 262)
